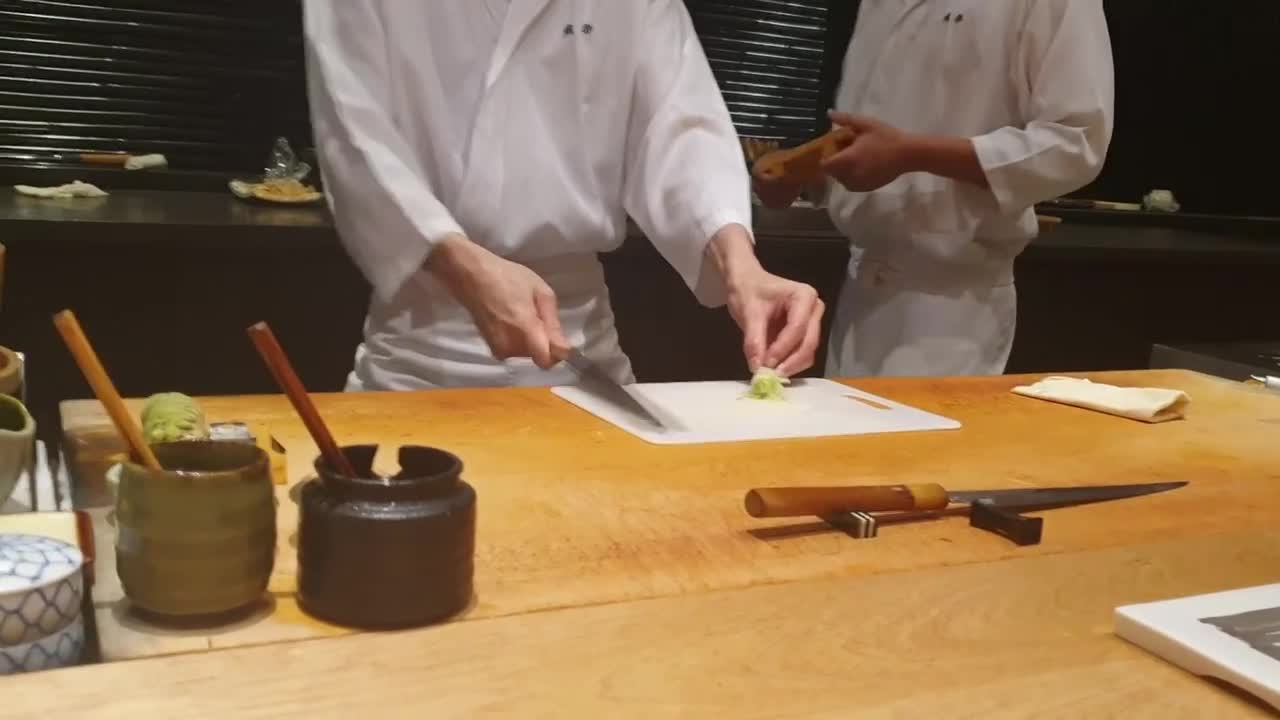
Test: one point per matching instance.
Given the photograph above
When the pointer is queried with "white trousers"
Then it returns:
(426, 339)
(894, 321)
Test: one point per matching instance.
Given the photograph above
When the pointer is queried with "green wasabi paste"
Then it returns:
(168, 417)
(767, 384)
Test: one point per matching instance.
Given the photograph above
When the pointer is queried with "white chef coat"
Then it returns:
(533, 127)
(931, 278)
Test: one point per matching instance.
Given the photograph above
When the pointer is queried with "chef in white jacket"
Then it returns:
(478, 154)
(967, 113)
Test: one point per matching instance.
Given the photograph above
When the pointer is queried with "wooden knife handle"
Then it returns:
(104, 158)
(798, 501)
(804, 162)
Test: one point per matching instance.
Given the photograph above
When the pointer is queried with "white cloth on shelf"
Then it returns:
(1151, 405)
(71, 189)
(142, 162)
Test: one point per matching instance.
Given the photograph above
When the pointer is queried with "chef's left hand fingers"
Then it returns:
(842, 163)
(800, 306)
(857, 123)
(755, 322)
(803, 358)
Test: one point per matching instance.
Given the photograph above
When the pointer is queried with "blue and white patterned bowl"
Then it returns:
(41, 587)
(61, 649)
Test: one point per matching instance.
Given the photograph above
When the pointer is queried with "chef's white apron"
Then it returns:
(425, 339)
(915, 317)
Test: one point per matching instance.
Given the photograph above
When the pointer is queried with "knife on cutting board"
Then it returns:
(994, 510)
(601, 384)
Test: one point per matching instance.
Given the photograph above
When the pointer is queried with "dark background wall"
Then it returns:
(212, 82)
(1192, 110)
(207, 82)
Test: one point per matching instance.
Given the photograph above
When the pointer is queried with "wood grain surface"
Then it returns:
(1021, 638)
(575, 512)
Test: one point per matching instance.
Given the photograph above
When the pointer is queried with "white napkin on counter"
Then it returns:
(1151, 405)
(71, 189)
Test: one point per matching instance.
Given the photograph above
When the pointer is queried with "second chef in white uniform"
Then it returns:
(967, 114)
(478, 154)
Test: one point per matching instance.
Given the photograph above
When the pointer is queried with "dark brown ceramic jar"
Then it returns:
(392, 552)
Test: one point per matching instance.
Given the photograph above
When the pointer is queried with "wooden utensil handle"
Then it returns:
(281, 369)
(804, 162)
(84, 355)
(801, 501)
(104, 158)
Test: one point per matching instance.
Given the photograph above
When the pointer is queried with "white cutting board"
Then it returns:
(712, 412)
(1172, 630)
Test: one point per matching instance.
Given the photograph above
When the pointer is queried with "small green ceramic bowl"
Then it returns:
(17, 442)
(198, 538)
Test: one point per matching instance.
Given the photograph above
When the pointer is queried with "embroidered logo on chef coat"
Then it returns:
(586, 29)
(953, 17)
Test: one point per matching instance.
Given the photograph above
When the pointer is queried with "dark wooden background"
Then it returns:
(212, 82)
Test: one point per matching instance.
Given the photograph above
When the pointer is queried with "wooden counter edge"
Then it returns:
(1002, 639)
(72, 408)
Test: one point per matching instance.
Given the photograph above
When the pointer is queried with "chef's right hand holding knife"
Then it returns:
(513, 308)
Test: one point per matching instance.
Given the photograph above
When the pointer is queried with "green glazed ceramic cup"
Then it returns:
(17, 442)
(198, 538)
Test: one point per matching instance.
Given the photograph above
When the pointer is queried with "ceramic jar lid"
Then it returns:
(41, 587)
(31, 561)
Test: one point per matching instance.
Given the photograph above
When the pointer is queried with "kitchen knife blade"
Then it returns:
(825, 501)
(600, 384)
(1046, 498)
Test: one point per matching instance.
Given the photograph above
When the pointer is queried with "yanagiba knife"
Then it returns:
(599, 382)
(993, 510)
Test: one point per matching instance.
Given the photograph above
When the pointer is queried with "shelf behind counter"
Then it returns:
(165, 283)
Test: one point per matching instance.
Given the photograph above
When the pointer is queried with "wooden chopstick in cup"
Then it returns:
(102, 386)
(278, 363)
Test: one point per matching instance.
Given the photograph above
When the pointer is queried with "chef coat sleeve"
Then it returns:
(1066, 67)
(686, 175)
(383, 206)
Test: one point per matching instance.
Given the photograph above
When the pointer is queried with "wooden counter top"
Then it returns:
(573, 511)
(1028, 637)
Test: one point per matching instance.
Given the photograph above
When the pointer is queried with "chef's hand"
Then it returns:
(514, 309)
(781, 319)
(878, 155)
(782, 192)
(776, 192)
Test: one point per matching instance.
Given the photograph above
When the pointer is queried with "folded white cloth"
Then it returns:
(71, 189)
(1151, 405)
(142, 162)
